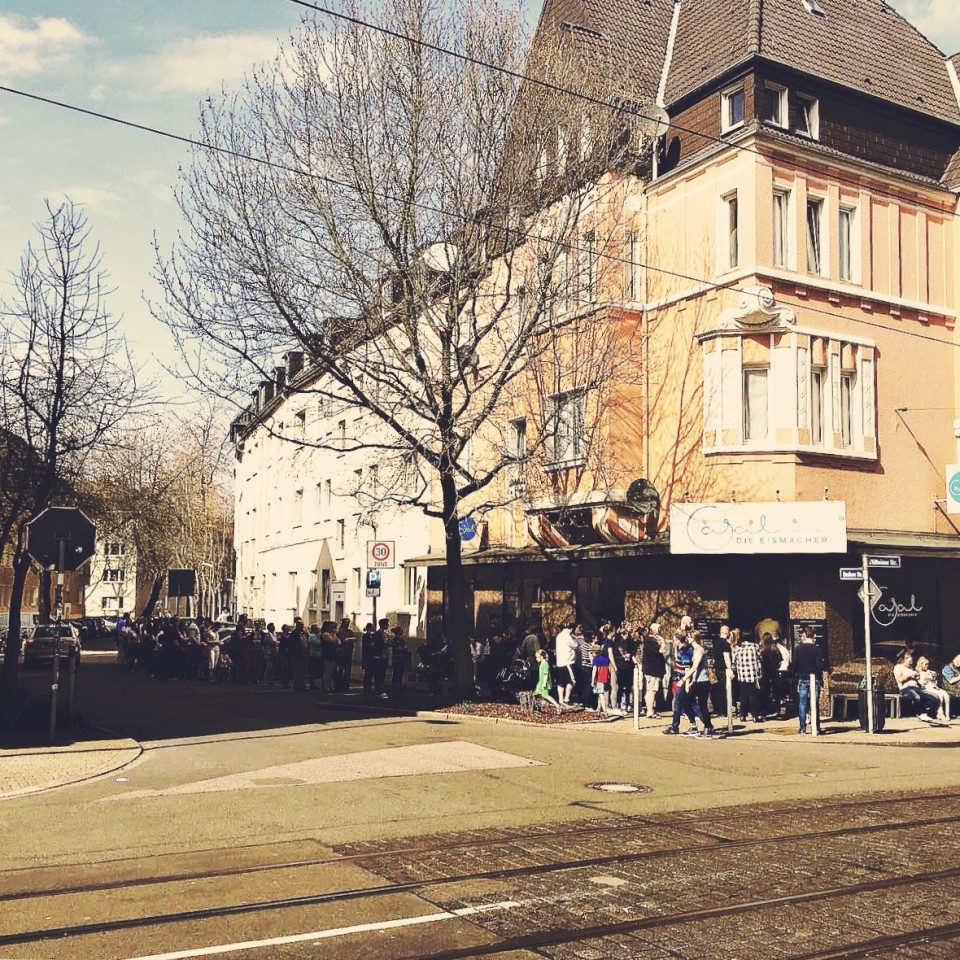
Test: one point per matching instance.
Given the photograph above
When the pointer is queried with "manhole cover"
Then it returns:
(606, 787)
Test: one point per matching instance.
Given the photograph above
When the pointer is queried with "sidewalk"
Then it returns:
(34, 769)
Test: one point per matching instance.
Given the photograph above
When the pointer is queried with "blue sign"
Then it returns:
(468, 528)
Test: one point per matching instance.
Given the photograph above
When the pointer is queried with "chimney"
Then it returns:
(280, 377)
(294, 361)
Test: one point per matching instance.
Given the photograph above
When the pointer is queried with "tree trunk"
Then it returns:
(458, 627)
(11, 662)
(44, 602)
(154, 597)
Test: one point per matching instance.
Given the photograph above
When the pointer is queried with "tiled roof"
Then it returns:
(864, 45)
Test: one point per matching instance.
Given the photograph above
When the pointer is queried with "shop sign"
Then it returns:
(819, 631)
(953, 488)
(889, 610)
(775, 528)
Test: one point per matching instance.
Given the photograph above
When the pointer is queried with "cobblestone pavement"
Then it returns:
(42, 768)
(871, 878)
(852, 877)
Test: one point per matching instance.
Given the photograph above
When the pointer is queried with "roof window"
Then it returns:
(811, 6)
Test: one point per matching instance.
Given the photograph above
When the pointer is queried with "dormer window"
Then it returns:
(811, 6)
(807, 116)
(732, 109)
(775, 105)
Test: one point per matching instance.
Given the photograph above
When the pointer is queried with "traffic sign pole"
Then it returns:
(866, 641)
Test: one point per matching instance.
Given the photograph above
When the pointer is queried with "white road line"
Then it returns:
(335, 932)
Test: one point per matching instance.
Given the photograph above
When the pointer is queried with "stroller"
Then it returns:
(513, 679)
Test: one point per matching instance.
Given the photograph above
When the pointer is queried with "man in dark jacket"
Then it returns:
(806, 663)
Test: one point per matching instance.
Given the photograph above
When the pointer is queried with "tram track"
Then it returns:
(580, 829)
(422, 886)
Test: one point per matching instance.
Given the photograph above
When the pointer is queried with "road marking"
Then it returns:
(335, 932)
(452, 756)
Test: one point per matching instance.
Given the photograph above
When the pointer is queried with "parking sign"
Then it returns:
(381, 554)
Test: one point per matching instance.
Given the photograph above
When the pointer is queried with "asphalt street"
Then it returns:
(264, 822)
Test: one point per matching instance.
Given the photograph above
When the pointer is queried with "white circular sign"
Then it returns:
(380, 551)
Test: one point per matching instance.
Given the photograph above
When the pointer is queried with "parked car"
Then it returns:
(38, 646)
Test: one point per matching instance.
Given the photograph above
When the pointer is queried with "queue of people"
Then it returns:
(254, 652)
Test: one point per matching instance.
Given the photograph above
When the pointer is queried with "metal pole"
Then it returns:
(814, 706)
(636, 695)
(729, 682)
(72, 690)
(866, 643)
(55, 684)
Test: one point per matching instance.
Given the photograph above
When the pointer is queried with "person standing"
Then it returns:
(684, 702)
(746, 662)
(567, 655)
(806, 661)
(398, 661)
(722, 666)
(544, 687)
(366, 657)
(698, 683)
(653, 663)
(300, 650)
(585, 649)
(344, 661)
(378, 654)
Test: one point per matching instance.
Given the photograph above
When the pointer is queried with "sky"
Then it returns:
(151, 63)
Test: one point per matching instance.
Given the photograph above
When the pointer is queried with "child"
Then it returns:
(544, 680)
(928, 680)
(599, 679)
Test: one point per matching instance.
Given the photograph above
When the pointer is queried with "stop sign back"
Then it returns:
(68, 525)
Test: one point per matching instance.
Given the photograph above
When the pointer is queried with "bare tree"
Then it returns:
(164, 492)
(418, 232)
(66, 382)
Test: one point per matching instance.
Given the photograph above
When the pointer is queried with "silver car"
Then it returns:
(39, 644)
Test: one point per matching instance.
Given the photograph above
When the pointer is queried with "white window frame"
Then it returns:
(568, 429)
(812, 114)
(761, 411)
(782, 225)
(781, 96)
(849, 264)
(848, 406)
(819, 407)
(727, 97)
(728, 228)
(817, 269)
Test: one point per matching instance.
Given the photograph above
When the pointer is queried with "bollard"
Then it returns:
(729, 681)
(814, 706)
(636, 696)
(72, 690)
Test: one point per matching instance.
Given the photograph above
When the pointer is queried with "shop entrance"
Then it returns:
(757, 593)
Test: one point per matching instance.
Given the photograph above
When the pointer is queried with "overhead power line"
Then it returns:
(701, 282)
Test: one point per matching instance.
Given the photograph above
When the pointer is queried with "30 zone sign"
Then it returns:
(381, 554)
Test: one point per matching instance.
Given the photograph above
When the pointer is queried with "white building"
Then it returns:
(113, 579)
(304, 517)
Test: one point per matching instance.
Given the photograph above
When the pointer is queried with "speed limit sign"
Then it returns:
(381, 554)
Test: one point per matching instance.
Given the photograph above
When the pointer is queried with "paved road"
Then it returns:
(261, 819)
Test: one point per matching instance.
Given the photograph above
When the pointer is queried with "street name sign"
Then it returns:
(851, 573)
(890, 563)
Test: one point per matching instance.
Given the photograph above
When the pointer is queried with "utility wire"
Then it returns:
(571, 247)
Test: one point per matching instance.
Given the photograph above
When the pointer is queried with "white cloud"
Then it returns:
(30, 46)
(198, 65)
(99, 200)
(935, 19)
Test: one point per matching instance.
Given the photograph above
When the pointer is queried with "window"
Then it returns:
(569, 419)
(299, 424)
(814, 247)
(325, 589)
(630, 266)
(731, 109)
(114, 575)
(373, 478)
(113, 549)
(775, 104)
(781, 228)
(410, 586)
(341, 534)
(846, 408)
(588, 269)
(731, 210)
(818, 381)
(755, 403)
(808, 116)
(298, 507)
(342, 433)
(328, 492)
(847, 221)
